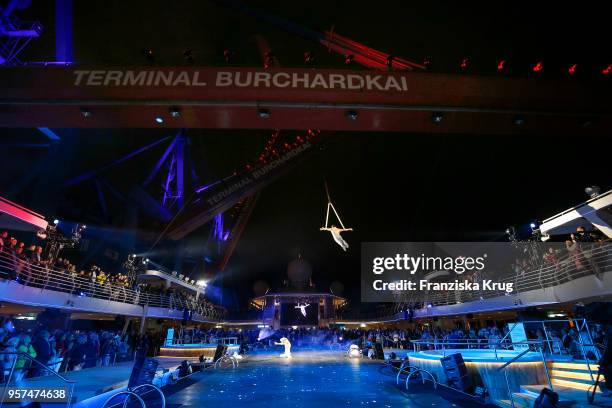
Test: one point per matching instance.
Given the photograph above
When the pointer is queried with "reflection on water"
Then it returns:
(309, 379)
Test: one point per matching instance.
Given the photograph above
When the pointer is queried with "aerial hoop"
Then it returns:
(335, 231)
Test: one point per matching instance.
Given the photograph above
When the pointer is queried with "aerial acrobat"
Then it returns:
(335, 231)
(302, 308)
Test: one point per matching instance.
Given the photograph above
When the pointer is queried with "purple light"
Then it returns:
(206, 187)
(218, 232)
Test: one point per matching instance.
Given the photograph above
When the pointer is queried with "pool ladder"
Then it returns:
(412, 370)
(226, 359)
(129, 393)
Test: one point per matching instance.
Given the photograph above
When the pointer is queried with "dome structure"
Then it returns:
(260, 288)
(299, 272)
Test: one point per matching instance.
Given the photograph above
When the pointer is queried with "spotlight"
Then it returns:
(538, 67)
(592, 191)
(159, 120)
(501, 65)
(607, 70)
(465, 64)
(85, 112)
(437, 117)
(518, 120)
(201, 283)
(533, 225)
(175, 112)
(429, 305)
(352, 115)
(56, 221)
(362, 325)
(572, 69)
(264, 113)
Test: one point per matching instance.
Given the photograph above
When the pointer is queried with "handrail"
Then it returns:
(20, 354)
(161, 393)
(506, 364)
(224, 358)
(45, 277)
(128, 394)
(509, 331)
(466, 342)
(32, 359)
(421, 370)
(405, 364)
(597, 259)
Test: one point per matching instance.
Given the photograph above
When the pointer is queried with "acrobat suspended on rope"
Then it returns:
(302, 308)
(335, 231)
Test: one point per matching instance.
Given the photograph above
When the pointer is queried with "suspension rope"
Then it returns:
(330, 205)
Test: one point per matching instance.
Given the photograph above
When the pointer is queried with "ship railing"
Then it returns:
(44, 277)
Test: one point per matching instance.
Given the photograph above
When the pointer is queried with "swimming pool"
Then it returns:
(483, 366)
(479, 355)
(310, 379)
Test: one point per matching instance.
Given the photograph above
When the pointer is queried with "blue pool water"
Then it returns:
(310, 379)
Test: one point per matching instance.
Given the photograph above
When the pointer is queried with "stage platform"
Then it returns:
(194, 350)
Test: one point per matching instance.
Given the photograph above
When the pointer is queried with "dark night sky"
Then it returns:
(389, 187)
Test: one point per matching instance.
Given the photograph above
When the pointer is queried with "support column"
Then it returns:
(180, 171)
(145, 312)
(597, 219)
(328, 307)
(125, 326)
(64, 51)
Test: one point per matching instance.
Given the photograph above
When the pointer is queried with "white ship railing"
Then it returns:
(44, 277)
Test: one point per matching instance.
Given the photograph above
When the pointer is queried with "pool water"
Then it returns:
(309, 379)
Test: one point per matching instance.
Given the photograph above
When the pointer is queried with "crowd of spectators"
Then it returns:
(60, 350)
(31, 266)
(66, 350)
(556, 340)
